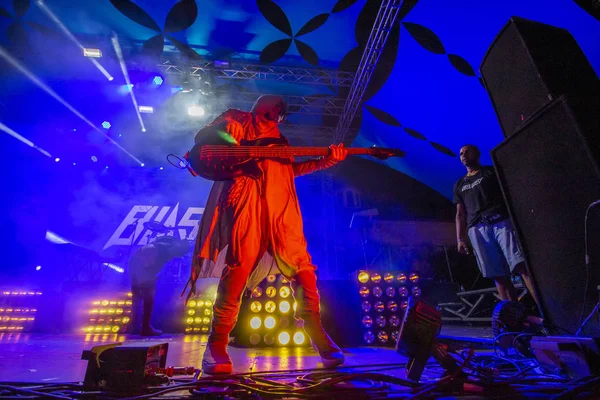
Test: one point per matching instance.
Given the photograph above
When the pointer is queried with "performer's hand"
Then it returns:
(338, 153)
(463, 247)
(236, 130)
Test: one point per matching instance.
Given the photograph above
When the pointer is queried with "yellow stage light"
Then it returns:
(189, 321)
(414, 277)
(255, 322)
(284, 307)
(115, 329)
(200, 303)
(284, 338)
(255, 306)
(364, 291)
(254, 338)
(271, 278)
(191, 311)
(299, 338)
(207, 311)
(285, 292)
(126, 320)
(119, 311)
(271, 292)
(257, 292)
(269, 322)
(104, 303)
(363, 277)
(401, 279)
(388, 277)
(375, 278)
(192, 303)
(208, 303)
(270, 306)
(206, 320)
(198, 320)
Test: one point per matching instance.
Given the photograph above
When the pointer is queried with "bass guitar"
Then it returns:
(217, 157)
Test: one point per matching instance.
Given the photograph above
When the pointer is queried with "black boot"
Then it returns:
(309, 310)
(147, 329)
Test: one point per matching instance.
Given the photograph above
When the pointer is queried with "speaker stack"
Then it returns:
(547, 99)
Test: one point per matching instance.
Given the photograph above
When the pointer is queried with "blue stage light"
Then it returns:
(57, 159)
(157, 80)
(38, 267)
(106, 125)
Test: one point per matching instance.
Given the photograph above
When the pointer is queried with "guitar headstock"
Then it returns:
(383, 154)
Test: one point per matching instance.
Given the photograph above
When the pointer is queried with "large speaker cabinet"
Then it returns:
(528, 65)
(549, 171)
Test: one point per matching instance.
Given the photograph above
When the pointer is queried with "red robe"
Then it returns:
(257, 219)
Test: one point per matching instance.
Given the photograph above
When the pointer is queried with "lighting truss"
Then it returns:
(308, 105)
(379, 35)
(320, 134)
(239, 71)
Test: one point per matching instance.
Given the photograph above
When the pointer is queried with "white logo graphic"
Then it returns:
(132, 230)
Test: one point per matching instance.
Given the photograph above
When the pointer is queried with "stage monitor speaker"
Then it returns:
(549, 172)
(528, 65)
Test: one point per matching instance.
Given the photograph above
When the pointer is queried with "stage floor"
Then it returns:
(57, 358)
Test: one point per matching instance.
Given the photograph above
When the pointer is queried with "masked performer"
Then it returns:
(144, 266)
(254, 216)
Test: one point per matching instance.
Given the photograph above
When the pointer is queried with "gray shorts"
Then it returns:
(496, 248)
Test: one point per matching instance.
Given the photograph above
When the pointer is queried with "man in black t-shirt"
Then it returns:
(482, 219)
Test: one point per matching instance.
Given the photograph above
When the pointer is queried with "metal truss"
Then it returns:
(308, 105)
(381, 29)
(379, 35)
(318, 135)
(312, 76)
(468, 308)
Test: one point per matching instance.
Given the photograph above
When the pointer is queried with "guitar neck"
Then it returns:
(276, 151)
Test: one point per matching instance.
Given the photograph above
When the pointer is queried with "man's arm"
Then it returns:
(461, 228)
(337, 154)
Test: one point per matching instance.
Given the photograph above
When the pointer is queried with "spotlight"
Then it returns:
(284, 338)
(106, 125)
(255, 307)
(270, 306)
(255, 322)
(146, 109)
(142, 165)
(284, 306)
(271, 292)
(161, 168)
(38, 267)
(143, 129)
(299, 338)
(195, 111)
(285, 291)
(157, 80)
(92, 53)
(56, 159)
(269, 322)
